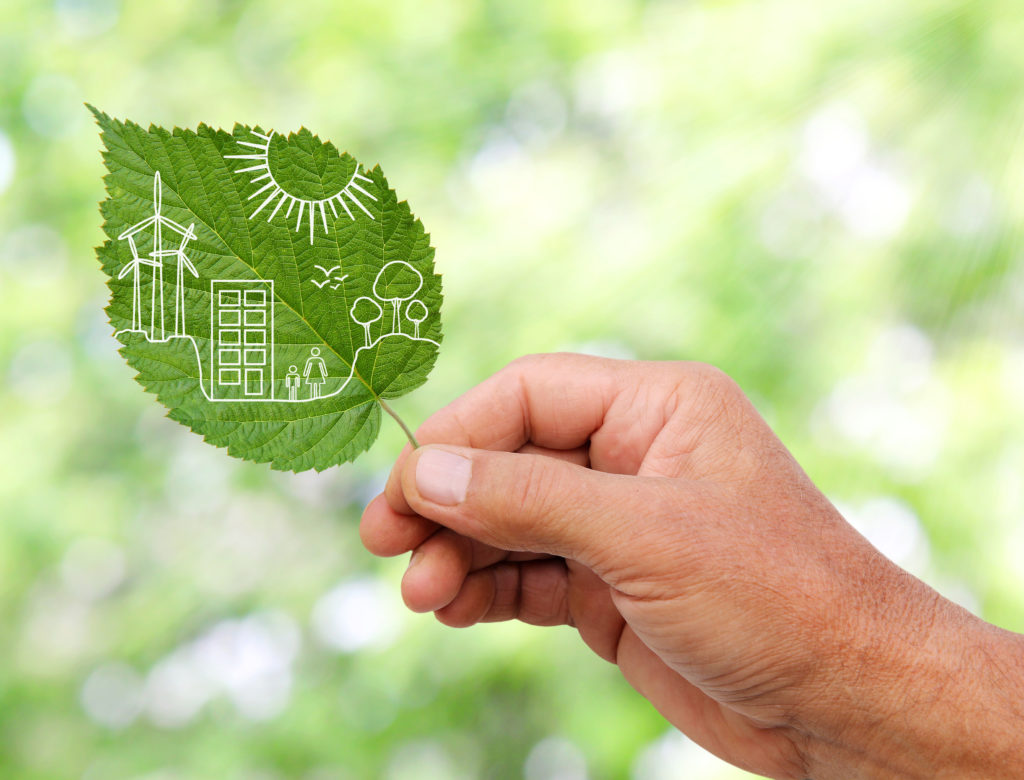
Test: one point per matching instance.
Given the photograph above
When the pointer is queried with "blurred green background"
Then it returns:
(821, 198)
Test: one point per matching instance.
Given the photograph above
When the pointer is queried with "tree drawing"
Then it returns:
(366, 311)
(397, 282)
(300, 384)
(416, 311)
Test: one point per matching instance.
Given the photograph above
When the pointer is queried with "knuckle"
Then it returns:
(714, 395)
(711, 378)
(524, 362)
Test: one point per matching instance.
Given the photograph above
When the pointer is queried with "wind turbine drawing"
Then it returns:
(134, 267)
(158, 222)
(179, 281)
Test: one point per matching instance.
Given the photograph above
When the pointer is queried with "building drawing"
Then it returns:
(242, 339)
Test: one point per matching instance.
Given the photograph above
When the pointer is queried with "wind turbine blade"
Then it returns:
(126, 270)
(172, 225)
(189, 266)
(131, 231)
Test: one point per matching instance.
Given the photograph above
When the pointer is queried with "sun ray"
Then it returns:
(270, 197)
(266, 186)
(344, 205)
(356, 200)
(357, 187)
(284, 197)
(262, 173)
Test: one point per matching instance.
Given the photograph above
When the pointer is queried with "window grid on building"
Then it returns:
(242, 339)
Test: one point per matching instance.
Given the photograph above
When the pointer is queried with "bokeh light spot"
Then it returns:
(6, 162)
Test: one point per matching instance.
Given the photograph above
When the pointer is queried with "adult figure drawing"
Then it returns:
(649, 506)
(315, 372)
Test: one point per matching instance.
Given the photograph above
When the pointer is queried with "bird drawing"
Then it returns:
(327, 276)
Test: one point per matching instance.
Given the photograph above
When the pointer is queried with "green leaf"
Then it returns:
(269, 290)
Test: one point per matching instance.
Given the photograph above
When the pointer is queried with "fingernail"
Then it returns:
(443, 477)
(416, 557)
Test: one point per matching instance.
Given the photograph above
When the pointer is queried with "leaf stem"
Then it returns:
(412, 439)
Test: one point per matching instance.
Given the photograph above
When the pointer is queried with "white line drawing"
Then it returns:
(134, 268)
(337, 391)
(158, 222)
(315, 373)
(416, 312)
(328, 278)
(179, 283)
(397, 281)
(312, 210)
(366, 311)
(242, 339)
(292, 381)
(249, 385)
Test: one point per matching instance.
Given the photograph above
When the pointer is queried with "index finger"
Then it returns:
(557, 401)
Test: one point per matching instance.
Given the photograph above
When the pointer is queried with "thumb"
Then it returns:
(535, 503)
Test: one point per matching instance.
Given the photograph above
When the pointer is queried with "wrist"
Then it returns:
(923, 689)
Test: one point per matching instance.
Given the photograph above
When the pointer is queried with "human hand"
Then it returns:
(649, 506)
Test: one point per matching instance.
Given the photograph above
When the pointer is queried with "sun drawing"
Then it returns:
(261, 172)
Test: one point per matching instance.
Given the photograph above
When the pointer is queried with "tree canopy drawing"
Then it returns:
(328, 289)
